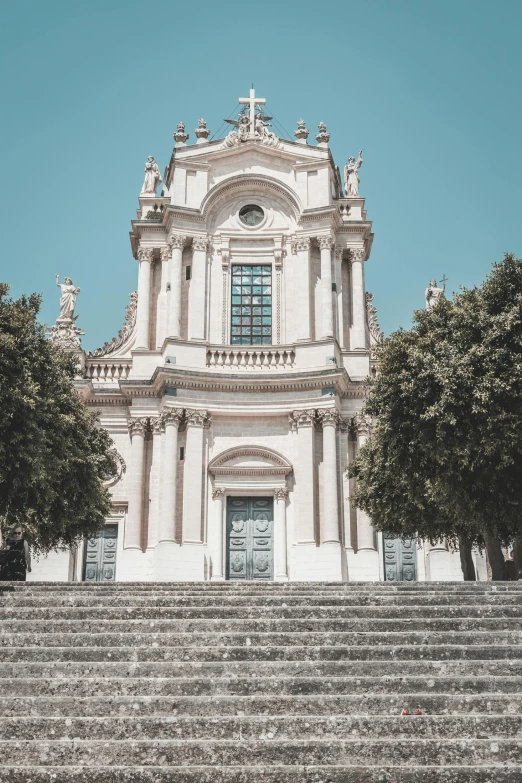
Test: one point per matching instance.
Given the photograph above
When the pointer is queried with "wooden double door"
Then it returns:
(400, 559)
(250, 538)
(100, 556)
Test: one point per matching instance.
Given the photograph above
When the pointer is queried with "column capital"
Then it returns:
(199, 243)
(157, 424)
(138, 426)
(325, 241)
(165, 253)
(301, 243)
(198, 418)
(281, 493)
(328, 416)
(362, 425)
(145, 254)
(177, 241)
(338, 253)
(218, 492)
(304, 418)
(279, 254)
(172, 416)
(224, 253)
(357, 254)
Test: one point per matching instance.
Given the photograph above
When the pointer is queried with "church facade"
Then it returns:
(233, 391)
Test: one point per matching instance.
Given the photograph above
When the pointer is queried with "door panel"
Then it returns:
(400, 559)
(100, 556)
(250, 533)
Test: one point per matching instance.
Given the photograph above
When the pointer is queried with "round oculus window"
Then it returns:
(251, 215)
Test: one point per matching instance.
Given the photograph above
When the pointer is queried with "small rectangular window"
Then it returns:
(188, 272)
(182, 453)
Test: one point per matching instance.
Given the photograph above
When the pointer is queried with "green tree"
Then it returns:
(446, 455)
(53, 456)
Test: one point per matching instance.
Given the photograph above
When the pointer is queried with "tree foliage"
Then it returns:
(53, 456)
(446, 455)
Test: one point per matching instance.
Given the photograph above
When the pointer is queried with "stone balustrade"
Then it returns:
(103, 371)
(251, 357)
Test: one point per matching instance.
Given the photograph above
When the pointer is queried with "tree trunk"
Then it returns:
(517, 556)
(466, 560)
(496, 558)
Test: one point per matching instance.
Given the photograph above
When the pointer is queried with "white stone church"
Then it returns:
(232, 391)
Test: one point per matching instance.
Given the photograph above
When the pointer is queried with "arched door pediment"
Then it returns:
(250, 461)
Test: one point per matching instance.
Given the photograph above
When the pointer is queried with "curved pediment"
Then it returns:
(251, 461)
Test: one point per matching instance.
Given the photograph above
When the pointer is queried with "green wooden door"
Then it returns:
(100, 556)
(400, 559)
(250, 538)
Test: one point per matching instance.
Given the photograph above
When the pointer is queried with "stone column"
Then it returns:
(143, 310)
(325, 245)
(365, 529)
(155, 481)
(163, 296)
(303, 421)
(218, 573)
(174, 304)
(304, 304)
(193, 476)
(137, 429)
(330, 527)
(225, 268)
(345, 481)
(358, 341)
(197, 295)
(281, 574)
(338, 254)
(169, 470)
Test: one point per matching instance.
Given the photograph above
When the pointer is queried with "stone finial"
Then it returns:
(302, 132)
(180, 137)
(202, 132)
(323, 137)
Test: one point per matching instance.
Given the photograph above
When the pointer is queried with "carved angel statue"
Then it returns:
(433, 294)
(351, 180)
(242, 125)
(68, 297)
(152, 177)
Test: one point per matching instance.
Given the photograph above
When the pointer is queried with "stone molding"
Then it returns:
(328, 416)
(247, 182)
(362, 425)
(279, 466)
(177, 241)
(305, 418)
(325, 241)
(123, 334)
(157, 424)
(145, 254)
(302, 243)
(198, 418)
(357, 254)
(121, 468)
(172, 416)
(199, 243)
(138, 426)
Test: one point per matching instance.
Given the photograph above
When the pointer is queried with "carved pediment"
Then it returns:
(250, 461)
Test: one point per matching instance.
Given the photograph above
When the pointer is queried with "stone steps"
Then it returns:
(256, 728)
(243, 683)
(380, 704)
(181, 752)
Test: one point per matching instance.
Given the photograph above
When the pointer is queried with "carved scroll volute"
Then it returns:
(305, 418)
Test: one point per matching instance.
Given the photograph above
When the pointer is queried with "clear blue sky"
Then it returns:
(429, 89)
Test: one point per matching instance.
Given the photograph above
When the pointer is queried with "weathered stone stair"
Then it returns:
(243, 683)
